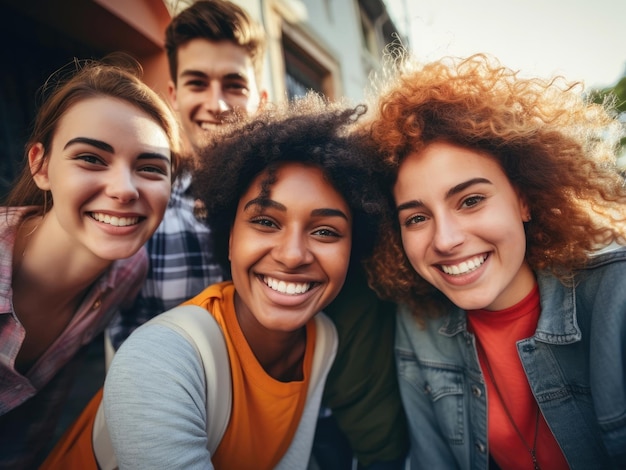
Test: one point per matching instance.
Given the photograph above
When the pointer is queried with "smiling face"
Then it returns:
(289, 258)
(213, 79)
(462, 229)
(108, 170)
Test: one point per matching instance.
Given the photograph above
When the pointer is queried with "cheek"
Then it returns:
(413, 246)
(339, 260)
(251, 106)
(72, 185)
(244, 248)
(517, 241)
(187, 100)
(158, 196)
(503, 230)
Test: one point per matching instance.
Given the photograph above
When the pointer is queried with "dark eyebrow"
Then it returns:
(409, 205)
(236, 76)
(193, 73)
(93, 142)
(466, 184)
(451, 192)
(153, 155)
(264, 202)
(326, 212)
(109, 148)
(329, 213)
(200, 74)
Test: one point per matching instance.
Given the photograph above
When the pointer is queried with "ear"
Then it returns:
(171, 94)
(230, 242)
(524, 208)
(39, 166)
(263, 97)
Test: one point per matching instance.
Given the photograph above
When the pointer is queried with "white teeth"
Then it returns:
(465, 266)
(114, 220)
(289, 288)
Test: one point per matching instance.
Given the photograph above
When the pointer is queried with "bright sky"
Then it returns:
(580, 39)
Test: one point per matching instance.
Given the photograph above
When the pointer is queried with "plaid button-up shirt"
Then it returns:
(30, 404)
(181, 264)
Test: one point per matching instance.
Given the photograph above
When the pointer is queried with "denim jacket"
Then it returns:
(575, 364)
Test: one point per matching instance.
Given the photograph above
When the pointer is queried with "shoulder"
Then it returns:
(155, 357)
(158, 345)
(609, 255)
(605, 269)
(10, 217)
(155, 384)
(598, 288)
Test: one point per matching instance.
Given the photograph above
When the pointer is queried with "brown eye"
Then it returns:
(472, 201)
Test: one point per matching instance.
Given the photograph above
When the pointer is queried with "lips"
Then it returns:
(289, 288)
(114, 220)
(464, 267)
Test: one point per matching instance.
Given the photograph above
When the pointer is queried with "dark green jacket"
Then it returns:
(362, 387)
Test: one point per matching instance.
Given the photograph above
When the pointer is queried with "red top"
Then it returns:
(496, 333)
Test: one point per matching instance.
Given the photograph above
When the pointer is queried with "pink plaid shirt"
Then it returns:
(30, 404)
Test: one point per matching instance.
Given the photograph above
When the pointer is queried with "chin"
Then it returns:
(286, 326)
(115, 254)
(467, 303)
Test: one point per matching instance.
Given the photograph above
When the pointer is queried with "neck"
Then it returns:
(285, 362)
(50, 266)
(280, 353)
(50, 280)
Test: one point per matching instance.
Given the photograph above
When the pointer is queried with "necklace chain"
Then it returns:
(532, 451)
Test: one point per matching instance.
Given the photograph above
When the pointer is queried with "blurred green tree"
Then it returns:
(617, 95)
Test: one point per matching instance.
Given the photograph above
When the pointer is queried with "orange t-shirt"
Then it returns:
(265, 412)
(497, 332)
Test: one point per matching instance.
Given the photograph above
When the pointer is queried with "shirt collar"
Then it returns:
(557, 322)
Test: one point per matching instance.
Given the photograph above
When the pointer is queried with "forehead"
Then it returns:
(296, 182)
(214, 58)
(445, 158)
(111, 120)
(443, 165)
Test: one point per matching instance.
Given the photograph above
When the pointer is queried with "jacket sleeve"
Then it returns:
(155, 403)
(362, 388)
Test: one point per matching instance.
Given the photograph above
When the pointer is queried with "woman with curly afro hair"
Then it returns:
(293, 199)
(504, 247)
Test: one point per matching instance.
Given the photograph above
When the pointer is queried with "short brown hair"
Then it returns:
(215, 20)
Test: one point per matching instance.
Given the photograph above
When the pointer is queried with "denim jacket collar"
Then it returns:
(557, 322)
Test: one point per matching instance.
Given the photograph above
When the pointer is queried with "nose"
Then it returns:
(448, 234)
(215, 102)
(292, 251)
(121, 185)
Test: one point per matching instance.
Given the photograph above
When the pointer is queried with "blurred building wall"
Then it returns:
(330, 46)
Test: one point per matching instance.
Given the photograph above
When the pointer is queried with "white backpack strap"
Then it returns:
(101, 441)
(325, 348)
(203, 332)
(299, 451)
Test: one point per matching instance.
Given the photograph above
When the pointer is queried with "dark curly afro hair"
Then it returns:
(309, 130)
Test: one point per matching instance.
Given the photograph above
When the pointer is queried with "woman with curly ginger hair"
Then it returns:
(504, 251)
